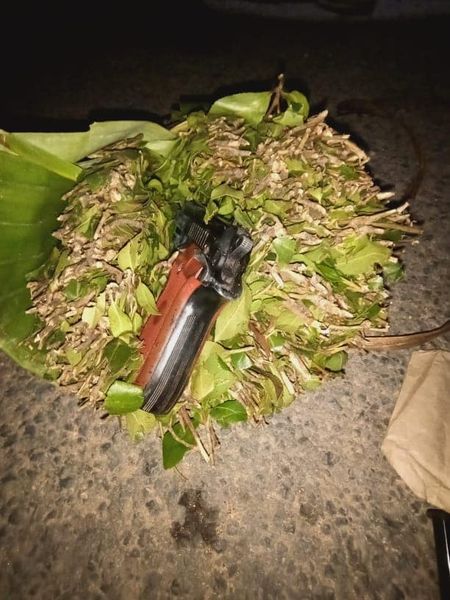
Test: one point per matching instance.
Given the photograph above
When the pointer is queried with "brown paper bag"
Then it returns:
(417, 443)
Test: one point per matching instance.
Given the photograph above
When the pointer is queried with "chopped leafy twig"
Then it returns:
(275, 105)
(213, 440)
(186, 421)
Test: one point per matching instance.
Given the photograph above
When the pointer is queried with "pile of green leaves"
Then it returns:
(317, 278)
(90, 296)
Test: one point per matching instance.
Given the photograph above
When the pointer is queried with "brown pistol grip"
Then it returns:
(173, 339)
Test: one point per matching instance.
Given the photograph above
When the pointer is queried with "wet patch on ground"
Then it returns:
(200, 521)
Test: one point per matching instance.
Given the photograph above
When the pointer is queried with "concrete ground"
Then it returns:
(306, 507)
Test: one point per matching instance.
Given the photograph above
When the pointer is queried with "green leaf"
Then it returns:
(186, 108)
(242, 218)
(296, 112)
(233, 319)
(88, 222)
(123, 398)
(211, 349)
(119, 322)
(65, 326)
(271, 395)
(76, 289)
(276, 341)
(318, 255)
(363, 258)
(202, 382)
(137, 321)
(298, 102)
(40, 157)
(250, 106)
(230, 411)
(172, 450)
(146, 300)
(30, 201)
(312, 384)
(74, 146)
(117, 353)
(211, 377)
(161, 147)
(284, 248)
(127, 258)
(226, 190)
(98, 280)
(336, 362)
(90, 316)
(348, 172)
(226, 206)
(295, 166)
(289, 117)
(329, 271)
(73, 356)
(63, 261)
(223, 377)
(316, 193)
(211, 210)
(393, 235)
(135, 255)
(277, 207)
(139, 423)
(288, 321)
(392, 272)
(241, 361)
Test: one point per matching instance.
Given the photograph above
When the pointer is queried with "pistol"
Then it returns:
(205, 275)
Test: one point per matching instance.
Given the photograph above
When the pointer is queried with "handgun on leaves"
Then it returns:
(205, 275)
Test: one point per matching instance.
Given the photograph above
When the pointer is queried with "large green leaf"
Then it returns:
(74, 146)
(19, 145)
(30, 201)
